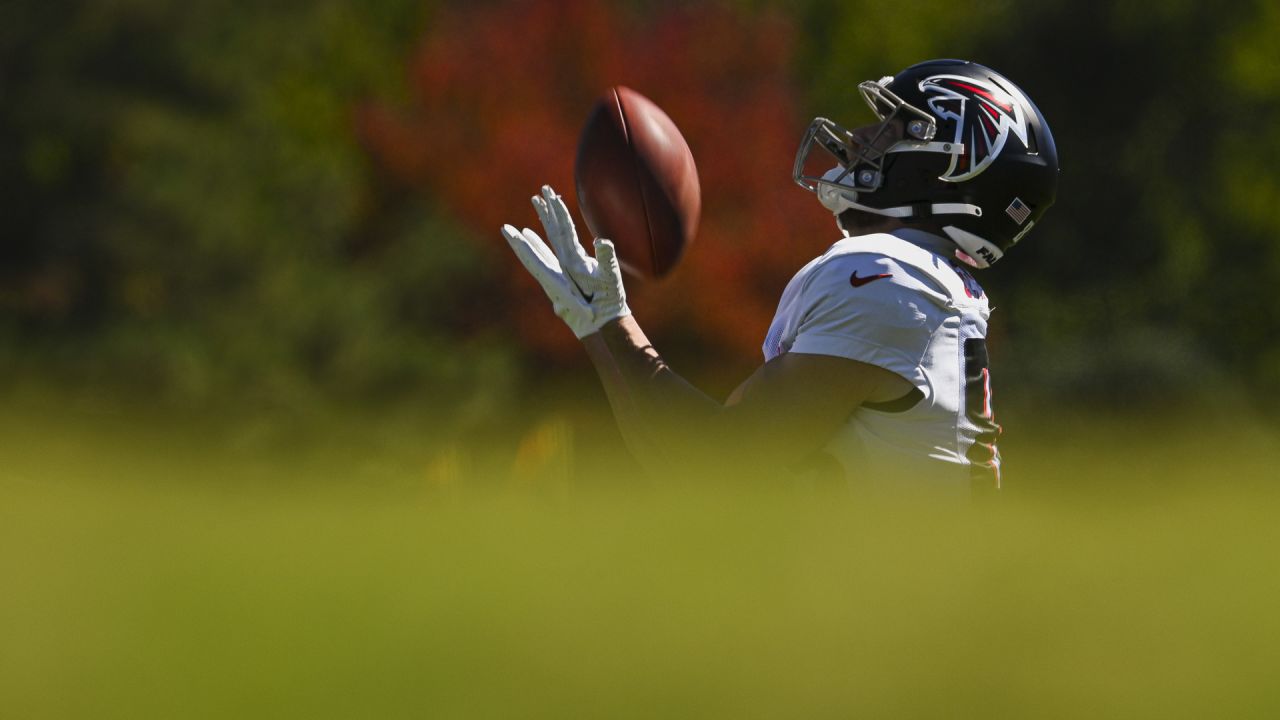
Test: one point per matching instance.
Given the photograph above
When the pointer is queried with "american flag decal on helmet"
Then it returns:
(1018, 210)
(984, 116)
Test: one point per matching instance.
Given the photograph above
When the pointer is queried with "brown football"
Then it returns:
(636, 181)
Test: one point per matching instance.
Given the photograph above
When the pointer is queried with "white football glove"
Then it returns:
(586, 292)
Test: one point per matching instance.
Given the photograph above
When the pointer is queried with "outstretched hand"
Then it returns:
(586, 292)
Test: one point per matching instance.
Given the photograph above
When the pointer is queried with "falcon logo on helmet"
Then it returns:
(984, 116)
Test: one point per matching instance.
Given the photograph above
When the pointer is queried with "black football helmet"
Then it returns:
(958, 146)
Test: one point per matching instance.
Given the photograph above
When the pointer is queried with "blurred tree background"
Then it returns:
(295, 205)
(286, 431)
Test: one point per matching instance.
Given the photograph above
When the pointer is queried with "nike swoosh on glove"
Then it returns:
(586, 292)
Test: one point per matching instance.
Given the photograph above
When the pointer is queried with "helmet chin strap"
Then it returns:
(972, 248)
(837, 200)
(977, 251)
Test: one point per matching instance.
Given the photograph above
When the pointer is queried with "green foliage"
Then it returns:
(848, 42)
(197, 200)
(223, 230)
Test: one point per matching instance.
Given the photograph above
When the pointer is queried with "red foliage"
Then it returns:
(502, 90)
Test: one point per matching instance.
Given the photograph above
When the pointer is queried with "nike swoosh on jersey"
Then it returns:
(856, 281)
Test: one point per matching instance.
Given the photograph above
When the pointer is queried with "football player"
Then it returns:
(877, 355)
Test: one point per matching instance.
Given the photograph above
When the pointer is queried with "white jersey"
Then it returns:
(899, 302)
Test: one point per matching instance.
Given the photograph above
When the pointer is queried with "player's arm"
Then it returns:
(787, 410)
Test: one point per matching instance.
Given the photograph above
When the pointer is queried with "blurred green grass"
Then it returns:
(150, 572)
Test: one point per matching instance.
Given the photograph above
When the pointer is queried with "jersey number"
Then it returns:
(977, 407)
